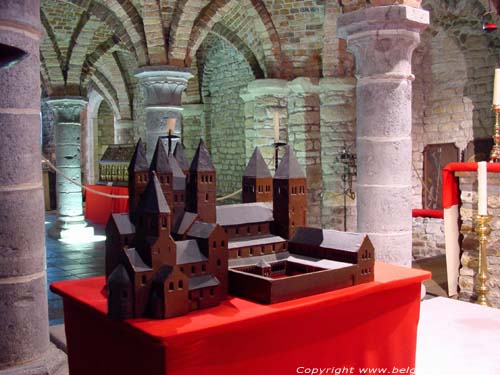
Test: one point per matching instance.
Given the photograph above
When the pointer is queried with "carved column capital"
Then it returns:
(67, 109)
(383, 39)
(163, 86)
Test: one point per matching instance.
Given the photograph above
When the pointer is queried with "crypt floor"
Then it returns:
(78, 261)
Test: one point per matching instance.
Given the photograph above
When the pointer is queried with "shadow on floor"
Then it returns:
(437, 286)
(70, 262)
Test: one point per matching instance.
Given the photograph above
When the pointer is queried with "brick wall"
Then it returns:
(105, 129)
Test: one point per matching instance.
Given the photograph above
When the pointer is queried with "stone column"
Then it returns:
(162, 87)
(70, 221)
(382, 40)
(24, 337)
(124, 131)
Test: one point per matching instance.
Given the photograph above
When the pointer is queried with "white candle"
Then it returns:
(482, 191)
(171, 124)
(276, 127)
(496, 88)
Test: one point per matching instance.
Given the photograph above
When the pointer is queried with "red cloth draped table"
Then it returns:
(98, 208)
(368, 325)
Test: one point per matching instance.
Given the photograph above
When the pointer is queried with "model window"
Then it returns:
(248, 228)
(222, 244)
(171, 286)
(239, 253)
(206, 197)
(193, 269)
(258, 228)
(180, 284)
(168, 179)
(201, 293)
(219, 263)
(251, 251)
(143, 280)
(211, 291)
(164, 222)
(203, 267)
(262, 249)
(237, 230)
(214, 244)
(211, 178)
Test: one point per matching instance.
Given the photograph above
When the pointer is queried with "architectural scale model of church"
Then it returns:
(176, 251)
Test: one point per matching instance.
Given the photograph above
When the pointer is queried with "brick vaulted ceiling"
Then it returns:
(100, 43)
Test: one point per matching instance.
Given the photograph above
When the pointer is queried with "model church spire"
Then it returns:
(289, 196)
(257, 180)
(138, 171)
(161, 165)
(202, 186)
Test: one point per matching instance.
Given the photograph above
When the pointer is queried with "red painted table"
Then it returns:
(98, 208)
(368, 325)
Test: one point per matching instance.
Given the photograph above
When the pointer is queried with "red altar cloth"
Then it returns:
(368, 325)
(420, 212)
(98, 208)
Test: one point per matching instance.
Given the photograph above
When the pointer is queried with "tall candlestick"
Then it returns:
(496, 88)
(171, 124)
(276, 127)
(482, 190)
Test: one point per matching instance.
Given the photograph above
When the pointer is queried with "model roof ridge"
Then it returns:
(153, 200)
(202, 161)
(160, 162)
(180, 156)
(289, 166)
(139, 161)
(257, 166)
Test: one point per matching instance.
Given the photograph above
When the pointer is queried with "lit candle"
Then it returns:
(276, 127)
(171, 125)
(496, 88)
(482, 191)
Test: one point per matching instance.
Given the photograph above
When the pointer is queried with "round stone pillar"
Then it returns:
(70, 221)
(382, 40)
(162, 88)
(24, 337)
(124, 131)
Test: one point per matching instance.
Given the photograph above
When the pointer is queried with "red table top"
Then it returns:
(90, 293)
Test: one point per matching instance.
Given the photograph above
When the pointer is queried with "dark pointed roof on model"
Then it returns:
(289, 166)
(139, 162)
(257, 166)
(177, 173)
(202, 161)
(180, 156)
(160, 162)
(119, 276)
(153, 200)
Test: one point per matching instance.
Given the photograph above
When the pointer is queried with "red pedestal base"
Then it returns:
(368, 325)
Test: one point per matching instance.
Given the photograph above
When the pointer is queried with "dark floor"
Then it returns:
(70, 261)
(77, 261)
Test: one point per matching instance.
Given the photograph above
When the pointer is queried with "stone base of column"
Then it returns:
(54, 362)
(71, 230)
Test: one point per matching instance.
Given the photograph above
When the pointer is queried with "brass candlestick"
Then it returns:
(495, 151)
(483, 230)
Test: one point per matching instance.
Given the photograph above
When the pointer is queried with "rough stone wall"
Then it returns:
(470, 253)
(226, 72)
(428, 237)
(105, 130)
(452, 91)
(338, 103)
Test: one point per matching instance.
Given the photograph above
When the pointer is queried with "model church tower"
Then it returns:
(202, 186)
(138, 175)
(257, 180)
(161, 166)
(289, 196)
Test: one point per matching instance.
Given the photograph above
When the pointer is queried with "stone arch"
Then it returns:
(124, 20)
(182, 24)
(50, 56)
(214, 13)
(153, 30)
